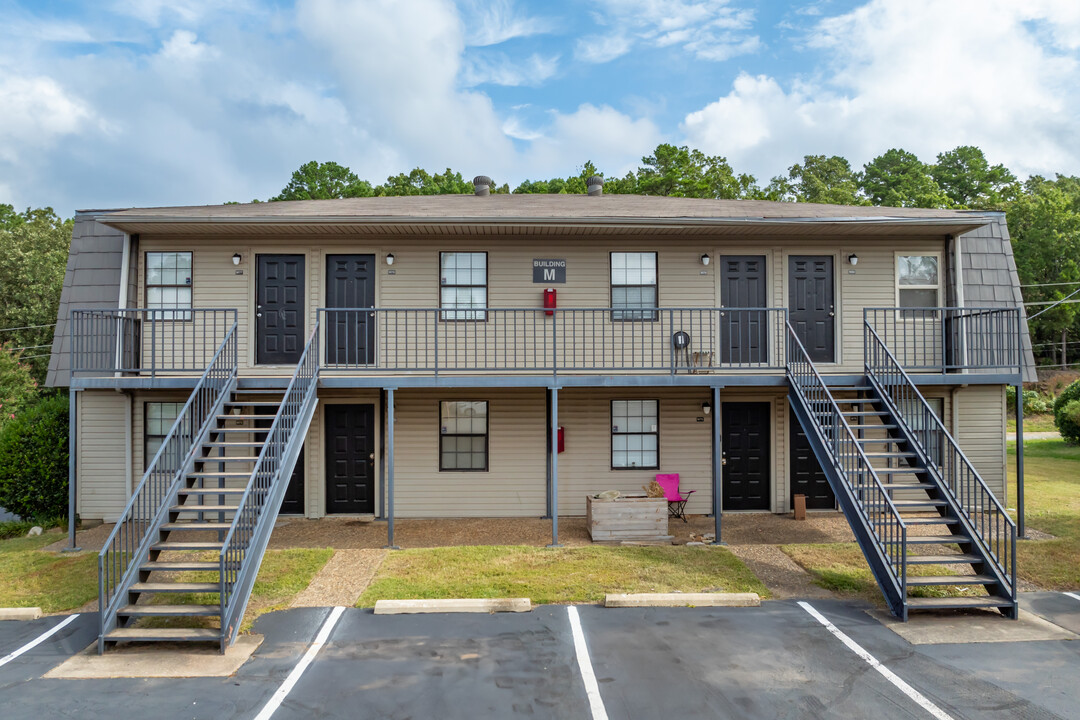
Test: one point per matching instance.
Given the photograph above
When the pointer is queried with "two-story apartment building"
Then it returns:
(507, 355)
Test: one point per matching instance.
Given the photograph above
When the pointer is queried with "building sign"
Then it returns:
(549, 271)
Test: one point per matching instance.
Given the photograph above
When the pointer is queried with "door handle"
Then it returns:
(371, 457)
(832, 314)
(723, 461)
(258, 314)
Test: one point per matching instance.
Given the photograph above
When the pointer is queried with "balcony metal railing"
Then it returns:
(671, 340)
(146, 341)
(944, 340)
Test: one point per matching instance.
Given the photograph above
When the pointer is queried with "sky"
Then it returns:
(121, 103)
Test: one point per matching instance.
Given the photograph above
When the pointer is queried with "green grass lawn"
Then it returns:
(556, 575)
(1035, 423)
(30, 577)
(1052, 505)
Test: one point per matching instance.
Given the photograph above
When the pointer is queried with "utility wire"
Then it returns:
(1051, 284)
(28, 327)
(1059, 302)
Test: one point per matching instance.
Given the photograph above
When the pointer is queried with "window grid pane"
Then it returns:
(633, 286)
(635, 437)
(168, 283)
(463, 436)
(463, 286)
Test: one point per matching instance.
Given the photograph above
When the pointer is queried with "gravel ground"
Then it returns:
(784, 577)
(342, 579)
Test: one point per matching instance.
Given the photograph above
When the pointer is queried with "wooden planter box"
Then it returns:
(630, 517)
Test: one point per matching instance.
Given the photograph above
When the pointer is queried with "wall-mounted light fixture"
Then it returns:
(705, 259)
(706, 407)
(236, 259)
(853, 259)
(389, 258)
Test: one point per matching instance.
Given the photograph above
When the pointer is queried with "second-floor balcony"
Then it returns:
(536, 341)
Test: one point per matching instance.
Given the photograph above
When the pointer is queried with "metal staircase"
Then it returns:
(206, 505)
(910, 495)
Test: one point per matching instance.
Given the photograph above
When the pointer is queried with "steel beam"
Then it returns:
(554, 467)
(390, 469)
(1021, 526)
(717, 467)
(72, 479)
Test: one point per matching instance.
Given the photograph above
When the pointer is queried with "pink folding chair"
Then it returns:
(676, 502)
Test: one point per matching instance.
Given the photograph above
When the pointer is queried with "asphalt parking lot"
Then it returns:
(777, 661)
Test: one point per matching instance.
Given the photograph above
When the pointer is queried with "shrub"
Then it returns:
(18, 389)
(1066, 416)
(34, 460)
(1034, 403)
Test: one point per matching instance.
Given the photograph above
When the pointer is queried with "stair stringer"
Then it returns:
(257, 548)
(1002, 586)
(892, 588)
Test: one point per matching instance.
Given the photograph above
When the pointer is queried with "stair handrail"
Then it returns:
(979, 506)
(250, 521)
(888, 526)
(127, 545)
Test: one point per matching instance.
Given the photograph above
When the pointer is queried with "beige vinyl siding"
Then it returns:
(101, 468)
(981, 432)
(585, 467)
(515, 483)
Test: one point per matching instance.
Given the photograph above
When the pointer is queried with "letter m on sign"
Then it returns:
(549, 274)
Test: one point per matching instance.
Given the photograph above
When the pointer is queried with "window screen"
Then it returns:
(168, 283)
(635, 434)
(633, 286)
(463, 435)
(463, 285)
(918, 280)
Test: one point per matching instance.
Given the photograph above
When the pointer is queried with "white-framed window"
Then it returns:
(918, 280)
(168, 284)
(463, 436)
(158, 420)
(633, 286)
(635, 434)
(463, 285)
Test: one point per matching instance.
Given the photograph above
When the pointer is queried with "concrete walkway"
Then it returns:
(1035, 435)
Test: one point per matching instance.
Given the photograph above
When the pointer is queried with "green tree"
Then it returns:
(684, 172)
(1044, 222)
(323, 181)
(818, 179)
(34, 460)
(574, 185)
(969, 180)
(33, 258)
(421, 182)
(899, 179)
(18, 388)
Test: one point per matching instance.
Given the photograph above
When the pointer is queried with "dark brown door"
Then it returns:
(807, 477)
(293, 502)
(279, 309)
(350, 459)
(744, 335)
(811, 306)
(350, 283)
(746, 450)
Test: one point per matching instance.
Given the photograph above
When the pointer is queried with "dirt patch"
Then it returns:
(342, 579)
(91, 540)
(783, 576)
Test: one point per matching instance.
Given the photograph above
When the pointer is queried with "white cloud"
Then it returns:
(922, 75)
(614, 141)
(491, 22)
(708, 29)
(37, 111)
(184, 47)
(499, 69)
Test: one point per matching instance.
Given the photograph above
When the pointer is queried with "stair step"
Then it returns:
(258, 391)
(936, 520)
(172, 527)
(226, 474)
(990, 601)
(169, 610)
(225, 458)
(908, 504)
(900, 455)
(248, 430)
(882, 426)
(950, 559)
(908, 486)
(938, 539)
(865, 413)
(951, 580)
(854, 401)
(244, 417)
(182, 566)
(184, 546)
(252, 403)
(235, 443)
(164, 635)
(202, 508)
(176, 587)
(899, 471)
(213, 491)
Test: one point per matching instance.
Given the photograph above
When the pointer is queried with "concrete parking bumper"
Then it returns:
(27, 613)
(625, 600)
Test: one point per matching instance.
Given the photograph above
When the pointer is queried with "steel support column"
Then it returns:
(72, 479)
(554, 468)
(390, 469)
(717, 466)
(1020, 524)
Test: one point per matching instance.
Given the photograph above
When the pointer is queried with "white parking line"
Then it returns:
(1074, 596)
(324, 632)
(38, 640)
(889, 675)
(592, 689)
